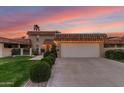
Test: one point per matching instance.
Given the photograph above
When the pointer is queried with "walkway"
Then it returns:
(39, 57)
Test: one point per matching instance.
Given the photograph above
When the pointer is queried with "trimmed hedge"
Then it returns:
(40, 72)
(53, 52)
(114, 54)
(48, 61)
(52, 59)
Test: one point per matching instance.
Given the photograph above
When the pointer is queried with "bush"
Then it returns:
(40, 72)
(54, 56)
(114, 54)
(46, 54)
(35, 52)
(52, 59)
(53, 51)
(48, 60)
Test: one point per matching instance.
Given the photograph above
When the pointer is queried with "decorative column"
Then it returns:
(39, 52)
(30, 52)
(59, 48)
(102, 52)
(115, 46)
(21, 51)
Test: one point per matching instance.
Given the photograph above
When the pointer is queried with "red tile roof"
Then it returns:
(15, 41)
(42, 33)
(23, 41)
(80, 37)
(114, 40)
(6, 40)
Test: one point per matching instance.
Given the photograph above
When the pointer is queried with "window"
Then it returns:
(26, 51)
(109, 45)
(37, 38)
(16, 51)
(24, 46)
(14, 45)
(120, 45)
(7, 46)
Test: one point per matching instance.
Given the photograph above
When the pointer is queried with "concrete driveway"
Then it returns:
(87, 72)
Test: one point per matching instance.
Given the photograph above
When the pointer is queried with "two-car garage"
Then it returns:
(80, 45)
(80, 50)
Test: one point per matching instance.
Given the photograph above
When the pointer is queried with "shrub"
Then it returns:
(52, 59)
(53, 51)
(40, 72)
(35, 52)
(109, 54)
(51, 54)
(48, 61)
(47, 53)
(114, 54)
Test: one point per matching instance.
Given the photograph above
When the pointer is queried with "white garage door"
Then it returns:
(80, 50)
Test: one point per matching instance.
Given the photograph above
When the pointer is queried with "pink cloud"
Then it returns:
(67, 15)
(94, 27)
(78, 12)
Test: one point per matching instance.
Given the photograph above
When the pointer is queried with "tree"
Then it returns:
(36, 27)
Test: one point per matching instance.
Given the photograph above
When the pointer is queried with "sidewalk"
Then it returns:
(39, 57)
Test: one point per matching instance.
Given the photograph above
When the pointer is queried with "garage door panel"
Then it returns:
(80, 50)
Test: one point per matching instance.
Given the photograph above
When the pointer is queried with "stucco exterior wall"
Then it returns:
(40, 42)
(102, 49)
(4, 52)
(1, 47)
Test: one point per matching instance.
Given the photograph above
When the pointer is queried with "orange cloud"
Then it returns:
(115, 34)
(77, 12)
(94, 27)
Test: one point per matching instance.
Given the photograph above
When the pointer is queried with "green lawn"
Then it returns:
(14, 70)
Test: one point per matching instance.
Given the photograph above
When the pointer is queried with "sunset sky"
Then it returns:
(16, 21)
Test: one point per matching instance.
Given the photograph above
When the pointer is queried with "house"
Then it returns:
(112, 43)
(10, 47)
(68, 45)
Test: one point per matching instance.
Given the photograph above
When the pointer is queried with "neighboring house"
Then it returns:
(114, 43)
(68, 45)
(8, 46)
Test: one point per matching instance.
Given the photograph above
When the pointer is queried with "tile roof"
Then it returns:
(15, 41)
(6, 40)
(23, 41)
(42, 33)
(80, 37)
(114, 40)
